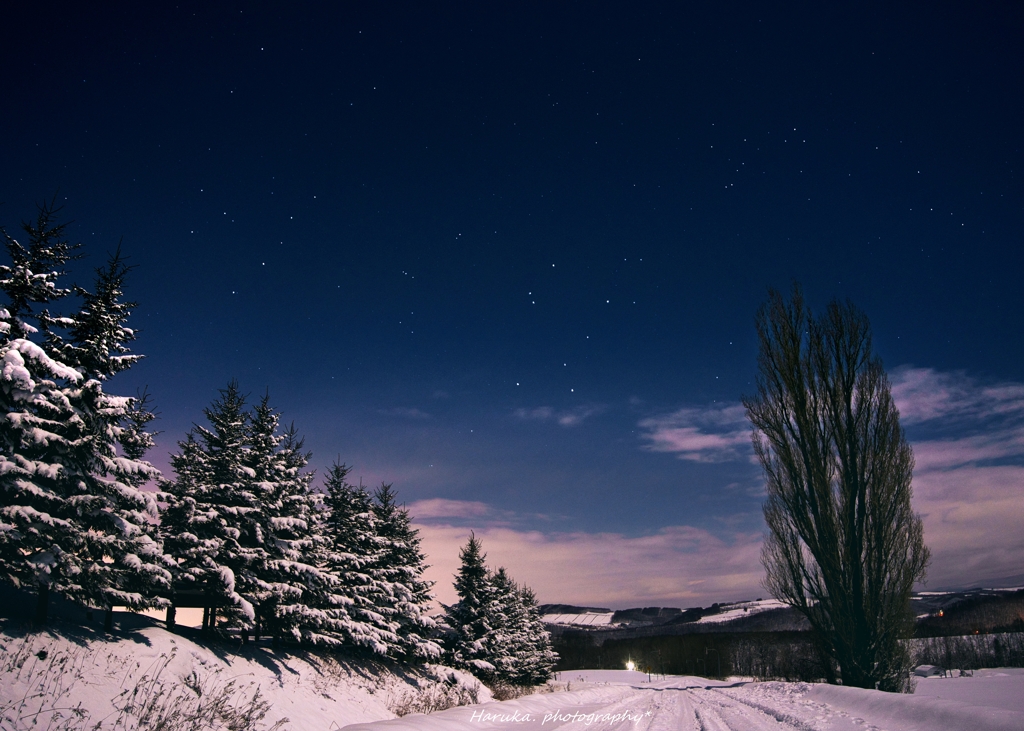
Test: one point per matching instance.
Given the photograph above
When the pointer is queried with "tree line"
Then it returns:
(239, 525)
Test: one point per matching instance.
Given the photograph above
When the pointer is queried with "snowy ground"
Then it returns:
(76, 678)
(621, 700)
(998, 688)
(86, 678)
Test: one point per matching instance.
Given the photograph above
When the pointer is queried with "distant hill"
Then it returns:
(760, 615)
(938, 613)
(973, 611)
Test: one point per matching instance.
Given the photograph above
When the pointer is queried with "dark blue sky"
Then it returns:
(508, 255)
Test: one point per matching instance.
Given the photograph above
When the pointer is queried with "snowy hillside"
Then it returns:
(730, 612)
(79, 675)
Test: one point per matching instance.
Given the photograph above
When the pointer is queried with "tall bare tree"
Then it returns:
(844, 546)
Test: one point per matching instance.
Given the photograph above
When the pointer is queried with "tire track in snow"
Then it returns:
(708, 720)
(637, 705)
(717, 711)
(672, 712)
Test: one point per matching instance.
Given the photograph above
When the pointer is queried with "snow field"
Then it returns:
(624, 700)
(997, 687)
(87, 683)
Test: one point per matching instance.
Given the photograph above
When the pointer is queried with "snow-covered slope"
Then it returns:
(730, 612)
(86, 678)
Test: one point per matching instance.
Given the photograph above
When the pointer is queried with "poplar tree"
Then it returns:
(844, 546)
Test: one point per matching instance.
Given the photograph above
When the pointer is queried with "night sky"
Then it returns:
(508, 255)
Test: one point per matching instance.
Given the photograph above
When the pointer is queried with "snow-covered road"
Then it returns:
(616, 701)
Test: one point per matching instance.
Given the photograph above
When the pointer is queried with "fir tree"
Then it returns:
(98, 345)
(506, 621)
(536, 656)
(129, 566)
(518, 645)
(212, 524)
(289, 569)
(399, 566)
(31, 279)
(468, 620)
(71, 515)
(350, 602)
(495, 630)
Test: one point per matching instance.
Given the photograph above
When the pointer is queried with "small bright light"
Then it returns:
(630, 665)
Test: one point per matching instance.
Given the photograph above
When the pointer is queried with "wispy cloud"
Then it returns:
(924, 394)
(676, 566)
(711, 434)
(968, 440)
(571, 417)
(442, 508)
(472, 513)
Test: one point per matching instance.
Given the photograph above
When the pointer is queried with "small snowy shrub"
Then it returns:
(508, 692)
(438, 693)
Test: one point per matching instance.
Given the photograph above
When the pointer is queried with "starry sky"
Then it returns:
(507, 255)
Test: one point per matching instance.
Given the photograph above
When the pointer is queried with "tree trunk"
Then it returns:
(171, 617)
(108, 619)
(42, 605)
(206, 620)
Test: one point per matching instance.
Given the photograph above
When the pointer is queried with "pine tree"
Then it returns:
(518, 645)
(467, 620)
(212, 524)
(31, 280)
(71, 515)
(349, 603)
(287, 518)
(399, 566)
(506, 619)
(495, 630)
(536, 656)
(119, 519)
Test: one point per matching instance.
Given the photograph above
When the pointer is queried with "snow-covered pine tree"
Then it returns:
(506, 619)
(536, 658)
(289, 570)
(399, 566)
(467, 620)
(39, 542)
(212, 523)
(71, 516)
(129, 566)
(348, 607)
(518, 645)
(495, 630)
